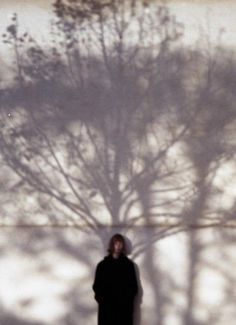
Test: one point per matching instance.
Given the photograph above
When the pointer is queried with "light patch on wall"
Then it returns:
(32, 19)
(175, 250)
(27, 291)
(29, 286)
(224, 181)
(207, 18)
(212, 288)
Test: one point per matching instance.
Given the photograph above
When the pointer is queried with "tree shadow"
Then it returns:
(138, 299)
(9, 319)
(103, 135)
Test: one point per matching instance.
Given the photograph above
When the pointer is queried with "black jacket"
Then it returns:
(115, 287)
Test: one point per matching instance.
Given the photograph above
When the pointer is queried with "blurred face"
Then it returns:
(118, 246)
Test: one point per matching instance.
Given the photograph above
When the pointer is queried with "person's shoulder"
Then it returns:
(104, 261)
(128, 260)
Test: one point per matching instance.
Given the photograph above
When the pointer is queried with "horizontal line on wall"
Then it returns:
(186, 226)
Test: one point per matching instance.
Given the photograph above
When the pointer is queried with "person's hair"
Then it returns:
(117, 238)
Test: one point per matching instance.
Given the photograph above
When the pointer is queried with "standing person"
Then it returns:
(115, 285)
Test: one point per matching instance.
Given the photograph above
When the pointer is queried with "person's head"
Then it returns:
(117, 245)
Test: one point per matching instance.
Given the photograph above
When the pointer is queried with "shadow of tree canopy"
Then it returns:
(116, 123)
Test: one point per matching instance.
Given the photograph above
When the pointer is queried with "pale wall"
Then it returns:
(46, 275)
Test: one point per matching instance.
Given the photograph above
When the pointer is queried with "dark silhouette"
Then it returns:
(115, 285)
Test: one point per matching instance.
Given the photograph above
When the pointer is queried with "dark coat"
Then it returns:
(115, 287)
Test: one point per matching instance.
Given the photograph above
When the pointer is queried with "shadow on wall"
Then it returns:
(168, 287)
(132, 134)
(9, 319)
(139, 298)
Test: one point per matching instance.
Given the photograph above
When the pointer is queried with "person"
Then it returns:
(115, 285)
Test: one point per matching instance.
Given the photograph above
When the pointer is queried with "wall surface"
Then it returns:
(46, 276)
(117, 117)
